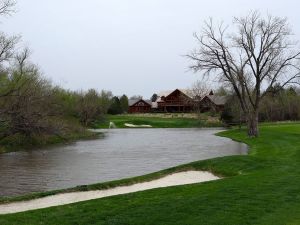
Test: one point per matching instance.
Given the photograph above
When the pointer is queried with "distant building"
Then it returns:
(139, 106)
(178, 101)
(212, 102)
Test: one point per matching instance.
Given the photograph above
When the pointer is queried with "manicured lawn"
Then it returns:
(174, 121)
(261, 188)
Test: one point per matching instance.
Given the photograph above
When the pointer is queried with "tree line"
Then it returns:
(279, 104)
(31, 105)
(32, 109)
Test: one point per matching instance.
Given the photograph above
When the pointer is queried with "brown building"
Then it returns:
(139, 106)
(178, 101)
(174, 101)
(212, 103)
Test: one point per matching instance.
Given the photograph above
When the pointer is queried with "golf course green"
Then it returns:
(262, 187)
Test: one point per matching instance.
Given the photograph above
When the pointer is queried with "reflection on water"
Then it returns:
(119, 154)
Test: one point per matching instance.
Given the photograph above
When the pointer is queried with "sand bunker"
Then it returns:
(133, 125)
(181, 178)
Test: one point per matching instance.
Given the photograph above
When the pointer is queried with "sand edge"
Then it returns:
(175, 179)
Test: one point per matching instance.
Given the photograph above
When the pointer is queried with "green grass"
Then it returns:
(158, 122)
(260, 188)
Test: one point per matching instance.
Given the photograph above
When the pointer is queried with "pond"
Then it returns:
(120, 153)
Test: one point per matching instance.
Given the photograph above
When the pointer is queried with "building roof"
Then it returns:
(131, 102)
(161, 94)
(184, 91)
(218, 100)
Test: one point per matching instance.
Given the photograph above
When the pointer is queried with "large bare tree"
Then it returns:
(198, 90)
(29, 107)
(7, 45)
(252, 55)
(7, 7)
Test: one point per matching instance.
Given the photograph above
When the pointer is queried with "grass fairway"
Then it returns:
(261, 188)
(172, 121)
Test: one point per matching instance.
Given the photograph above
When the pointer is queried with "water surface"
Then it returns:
(119, 154)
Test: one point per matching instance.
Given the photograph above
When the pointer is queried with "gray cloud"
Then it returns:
(127, 46)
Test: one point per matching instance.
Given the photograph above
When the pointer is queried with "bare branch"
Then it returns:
(259, 54)
(7, 7)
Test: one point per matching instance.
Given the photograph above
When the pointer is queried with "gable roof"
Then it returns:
(132, 102)
(186, 92)
(218, 100)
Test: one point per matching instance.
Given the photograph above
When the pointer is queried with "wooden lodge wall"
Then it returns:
(177, 101)
(140, 106)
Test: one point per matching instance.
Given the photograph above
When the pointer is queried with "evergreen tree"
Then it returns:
(154, 97)
(115, 107)
(124, 103)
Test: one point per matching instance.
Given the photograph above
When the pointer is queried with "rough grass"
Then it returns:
(260, 188)
(172, 121)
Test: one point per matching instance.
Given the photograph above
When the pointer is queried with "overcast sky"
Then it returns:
(126, 46)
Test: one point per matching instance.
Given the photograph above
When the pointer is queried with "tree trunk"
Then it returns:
(253, 124)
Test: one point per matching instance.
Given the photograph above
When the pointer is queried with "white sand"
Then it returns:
(181, 178)
(133, 125)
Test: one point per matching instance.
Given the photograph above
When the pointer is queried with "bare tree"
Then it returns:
(29, 107)
(105, 100)
(135, 97)
(89, 107)
(257, 55)
(7, 7)
(7, 46)
(199, 89)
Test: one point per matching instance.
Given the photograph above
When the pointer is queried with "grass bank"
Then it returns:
(72, 131)
(260, 188)
(161, 120)
(21, 142)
